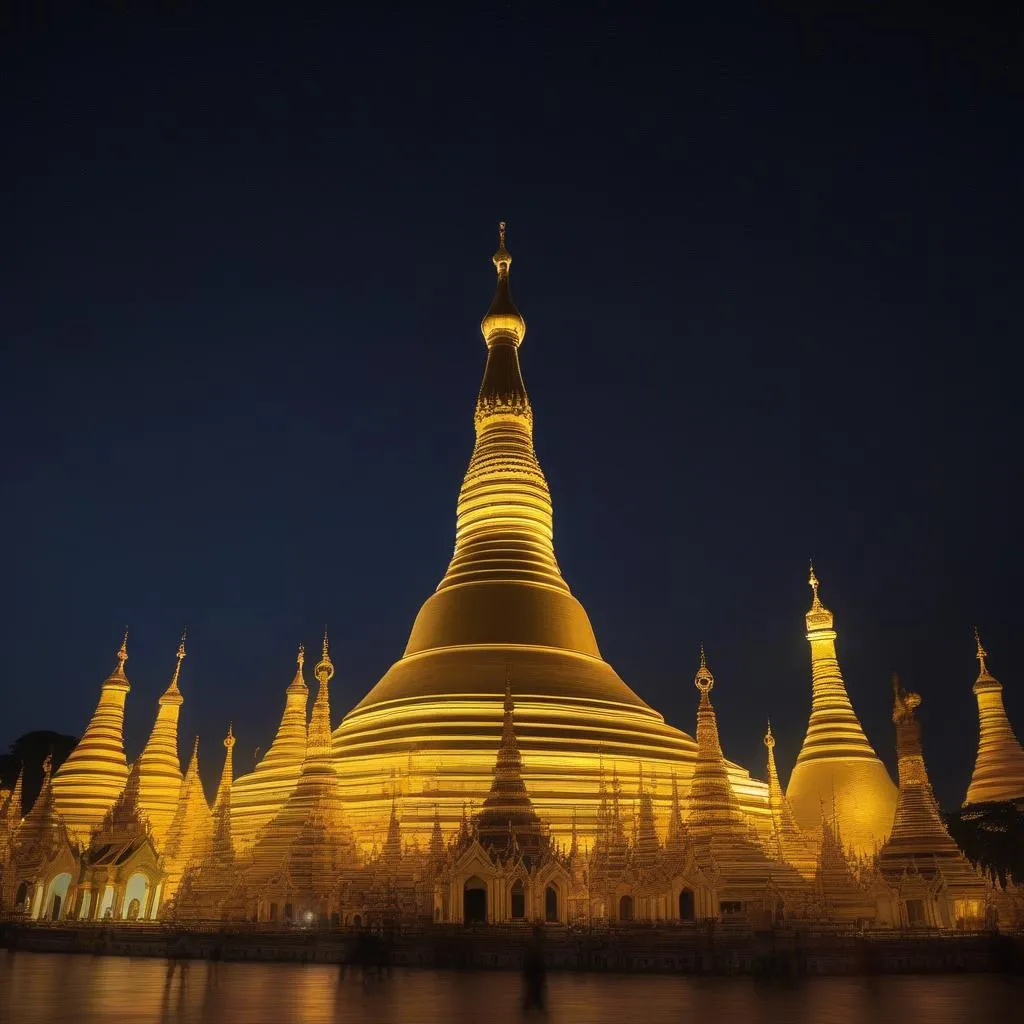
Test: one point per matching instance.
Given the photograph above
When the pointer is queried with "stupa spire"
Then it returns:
(794, 847)
(191, 830)
(94, 774)
(918, 831)
(223, 843)
(712, 806)
(257, 797)
(159, 766)
(318, 742)
(998, 775)
(836, 755)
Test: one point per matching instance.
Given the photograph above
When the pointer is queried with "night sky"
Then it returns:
(771, 270)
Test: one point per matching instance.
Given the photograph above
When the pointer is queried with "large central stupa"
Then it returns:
(503, 613)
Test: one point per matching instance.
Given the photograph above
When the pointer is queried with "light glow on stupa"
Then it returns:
(159, 766)
(435, 717)
(86, 785)
(999, 769)
(836, 762)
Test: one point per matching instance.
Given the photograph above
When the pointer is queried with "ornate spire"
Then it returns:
(503, 323)
(713, 805)
(191, 830)
(257, 797)
(793, 845)
(835, 753)
(507, 806)
(318, 742)
(90, 780)
(998, 775)
(158, 765)
(919, 834)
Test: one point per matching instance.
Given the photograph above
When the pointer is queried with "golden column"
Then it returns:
(836, 762)
(999, 769)
(90, 780)
(159, 765)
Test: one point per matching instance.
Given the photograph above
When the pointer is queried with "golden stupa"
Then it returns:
(86, 785)
(256, 797)
(504, 610)
(836, 765)
(999, 769)
(159, 765)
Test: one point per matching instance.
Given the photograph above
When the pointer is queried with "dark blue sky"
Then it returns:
(771, 270)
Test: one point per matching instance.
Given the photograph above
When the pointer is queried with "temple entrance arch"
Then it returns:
(56, 893)
(135, 891)
(626, 908)
(518, 900)
(551, 904)
(474, 901)
(686, 905)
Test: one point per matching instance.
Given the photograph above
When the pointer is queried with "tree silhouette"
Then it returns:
(30, 750)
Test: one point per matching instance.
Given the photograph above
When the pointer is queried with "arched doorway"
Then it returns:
(20, 896)
(56, 893)
(551, 904)
(626, 908)
(686, 907)
(357, 921)
(474, 901)
(518, 900)
(136, 892)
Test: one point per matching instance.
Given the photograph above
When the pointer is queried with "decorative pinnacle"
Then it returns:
(981, 655)
(47, 765)
(813, 581)
(769, 739)
(229, 740)
(300, 658)
(195, 749)
(324, 670)
(508, 688)
(177, 668)
(122, 653)
(704, 680)
(503, 322)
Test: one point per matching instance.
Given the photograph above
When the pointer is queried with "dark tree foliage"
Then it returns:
(30, 750)
(991, 835)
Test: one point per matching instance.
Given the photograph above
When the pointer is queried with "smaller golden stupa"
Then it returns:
(999, 769)
(86, 785)
(836, 762)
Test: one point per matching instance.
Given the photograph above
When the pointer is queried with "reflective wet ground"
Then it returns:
(40, 988)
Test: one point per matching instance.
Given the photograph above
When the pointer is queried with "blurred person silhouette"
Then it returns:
(534, 972)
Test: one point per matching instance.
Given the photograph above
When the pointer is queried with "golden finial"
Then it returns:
(122, 653)
(503, 322)
(508, 687)
(301, 657)
(704, 680)
(324, 670)
(229, 740)
(769, 739)
(981, 655)
(195, 749)
(813, 581)
(47, 765)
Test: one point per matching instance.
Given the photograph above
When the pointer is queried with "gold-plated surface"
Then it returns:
(436, 716)
(999, 768)
(159, 765)
(191, 831)
(792, 843)
(256, 797)
(836, 763)
(86, 785)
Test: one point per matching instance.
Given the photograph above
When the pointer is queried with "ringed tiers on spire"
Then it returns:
(836, 761)
(257, 796)
(159, 765)
(504, 604)
(998, 775)
(86, 785)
